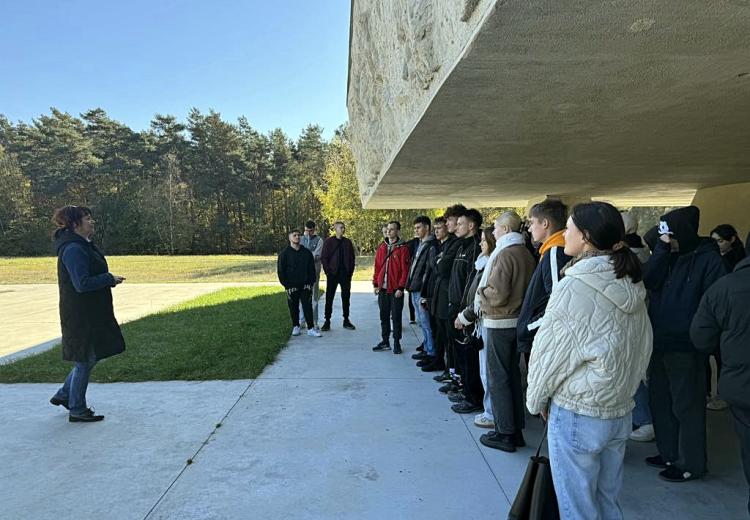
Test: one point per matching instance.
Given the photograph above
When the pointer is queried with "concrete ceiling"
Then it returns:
(636, 102)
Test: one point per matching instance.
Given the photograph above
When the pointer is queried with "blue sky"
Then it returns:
(281, 64)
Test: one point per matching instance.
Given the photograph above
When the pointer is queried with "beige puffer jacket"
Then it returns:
(594, 344)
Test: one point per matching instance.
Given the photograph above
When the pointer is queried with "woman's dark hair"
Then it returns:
(726, 232)
(68, 217)
(601, 225)
(490, 237)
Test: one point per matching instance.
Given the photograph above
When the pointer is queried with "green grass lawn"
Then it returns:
(230, 334)
(161, 269)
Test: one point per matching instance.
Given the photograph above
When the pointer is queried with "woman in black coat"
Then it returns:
(89, 329)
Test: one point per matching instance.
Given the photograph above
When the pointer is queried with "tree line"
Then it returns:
(202, 186)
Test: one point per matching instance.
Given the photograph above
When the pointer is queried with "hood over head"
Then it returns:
(682, 223)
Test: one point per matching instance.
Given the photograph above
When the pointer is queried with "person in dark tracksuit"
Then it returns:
(338, 259)
(681, 269)
(466, 358)
(722, 322)
(296, 270)
(90, 331)
(429, 298)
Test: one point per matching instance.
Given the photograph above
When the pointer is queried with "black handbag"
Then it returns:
(536, 499)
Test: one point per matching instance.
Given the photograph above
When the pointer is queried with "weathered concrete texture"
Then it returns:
(31, 318)
(639, 104)
(330, 431)
(400, 52)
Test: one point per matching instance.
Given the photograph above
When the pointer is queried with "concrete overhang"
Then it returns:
(639, 103)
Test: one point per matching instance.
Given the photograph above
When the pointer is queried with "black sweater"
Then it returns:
(296, 267)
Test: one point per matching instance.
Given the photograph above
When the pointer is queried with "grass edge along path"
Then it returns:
(228, 334)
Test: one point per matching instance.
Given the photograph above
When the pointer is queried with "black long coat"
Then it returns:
(87, 318)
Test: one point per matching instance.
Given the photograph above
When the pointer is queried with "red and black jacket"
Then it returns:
(396, 263)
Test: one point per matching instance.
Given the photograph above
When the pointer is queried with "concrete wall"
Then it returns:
(725, 205)
(400, 53)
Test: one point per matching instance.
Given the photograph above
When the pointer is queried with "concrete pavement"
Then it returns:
(30, 316)
(330, 430)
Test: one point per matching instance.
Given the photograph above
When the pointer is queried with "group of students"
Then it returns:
(600, 320)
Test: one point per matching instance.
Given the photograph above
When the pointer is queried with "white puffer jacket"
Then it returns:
(594, 344)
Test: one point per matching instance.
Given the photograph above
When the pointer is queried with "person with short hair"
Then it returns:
(296, 271)
(589, 355)
(389, 281)
(90, 331)
(314, 244)
(415, 283)
(468, 231)
(547, 227)
(337, 259)
(721, 322)
(428, 298)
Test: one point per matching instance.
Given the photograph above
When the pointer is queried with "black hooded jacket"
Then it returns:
(678, 280)
(296, 267)
(461, 271)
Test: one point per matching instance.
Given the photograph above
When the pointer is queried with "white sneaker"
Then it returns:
(717, 405)
(296, 331)
(314, 333)
(643, 434)
(482, 421)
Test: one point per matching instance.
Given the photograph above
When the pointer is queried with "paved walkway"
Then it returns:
(30, 316)
(329, 431)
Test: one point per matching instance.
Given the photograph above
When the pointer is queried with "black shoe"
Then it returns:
(59, 402)
(466, 407)
(420, 348)
(442, 378)
(380, 347)
(436, 366)
(448, 387)
(397, 347)
(419, 355)
(326, 326)
(657, 462)
(675, 474)
(518, 439)
(349, 325)
(426, 362)
(87, 416)
(456, 397)
(499, 441)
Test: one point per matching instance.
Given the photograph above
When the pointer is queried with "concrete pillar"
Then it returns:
(728, 204)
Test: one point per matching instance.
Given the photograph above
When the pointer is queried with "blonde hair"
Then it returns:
(510, 219)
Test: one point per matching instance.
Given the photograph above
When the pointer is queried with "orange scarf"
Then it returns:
(554, 240)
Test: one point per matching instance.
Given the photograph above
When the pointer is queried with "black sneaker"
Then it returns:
(397, 347)
(326, 326)
(59, 402)
(657, 462)
(456, 397)
(420, 348)
(88, 416)
(518, 439)
(448, 387)
(466, 407)
(436, 366)
(349, 325)
(419, 355)
(675, 474)
(429, 360)
(499, 441)
(444, 377)
(380, 347)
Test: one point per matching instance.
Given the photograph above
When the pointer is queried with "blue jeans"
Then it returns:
(423, 318)
(642, 411)
(586, 455)
(74, 388)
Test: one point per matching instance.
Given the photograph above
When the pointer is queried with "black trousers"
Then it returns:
(677, 396)
(445, 333)
(742, 427)
(332, 282)
(391, 309)
(467, 360)
(412, 316)
(504, 380)
(303, 296)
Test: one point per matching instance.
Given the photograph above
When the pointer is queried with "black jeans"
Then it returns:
(332, 282)
(412, 310)
(446, 344)
(467, 360)
(391, 309)
(303, 296)
(742, 427)
(677, 396)
(504, 380)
